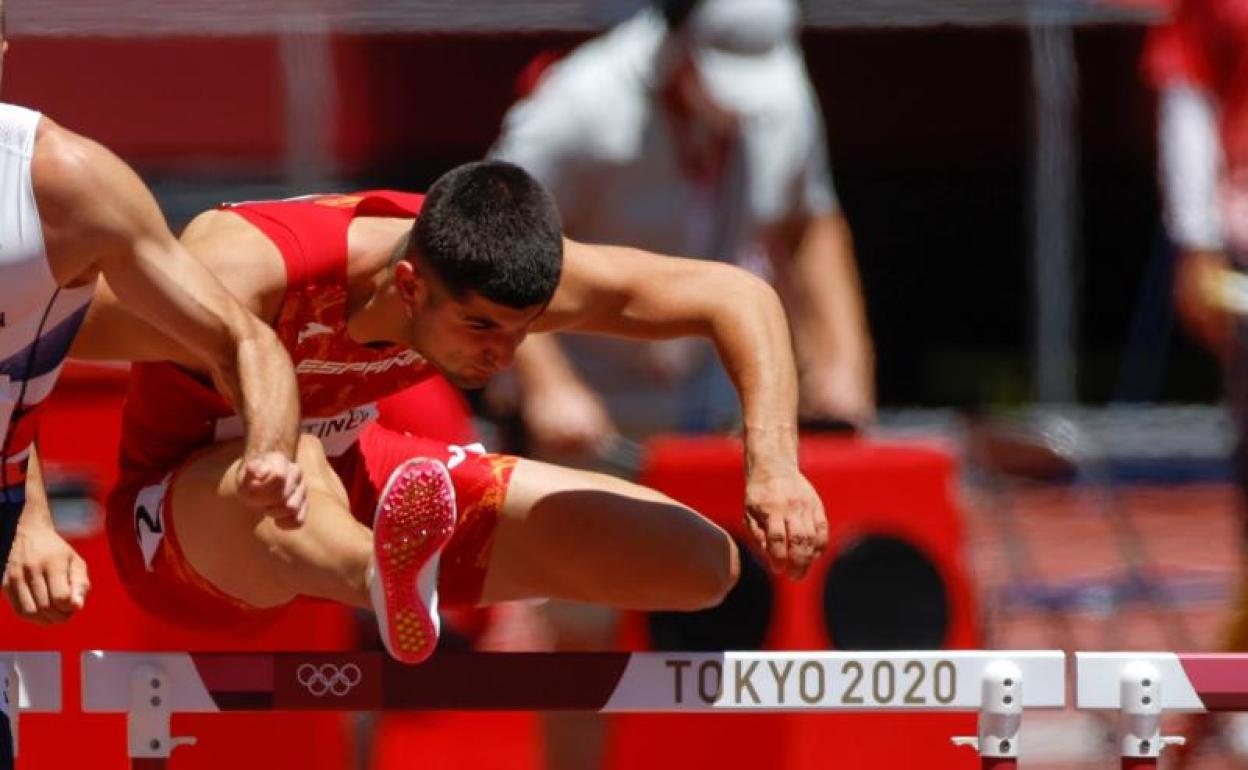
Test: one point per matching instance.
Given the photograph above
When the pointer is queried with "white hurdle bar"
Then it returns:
(29, 681)
(149, 687)
(1143, 685)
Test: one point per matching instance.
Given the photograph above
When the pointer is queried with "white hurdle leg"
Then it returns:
(1139, 727)
(29, 681)
(147, 722)
(1000, 717)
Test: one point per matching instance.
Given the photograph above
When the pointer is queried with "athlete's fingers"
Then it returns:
(24, 601)
(293, 481)
(801, 545)
(297, 504)
(79, 582)
(38, 588)
(59, 591)
(296, 493)
(777, 542)
(760, 537)
(821, 531)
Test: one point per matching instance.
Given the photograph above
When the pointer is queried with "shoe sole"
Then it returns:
(415, 519)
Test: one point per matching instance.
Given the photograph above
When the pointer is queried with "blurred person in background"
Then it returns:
(73, 211)
(1198, 62)
(691, 128)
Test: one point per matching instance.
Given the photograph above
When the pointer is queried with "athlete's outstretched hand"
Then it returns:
(45, 580)
(274, 484)
(785, 516)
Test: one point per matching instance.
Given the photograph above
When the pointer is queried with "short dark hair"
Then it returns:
(489, 227)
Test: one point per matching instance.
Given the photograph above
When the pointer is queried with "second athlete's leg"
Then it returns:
(253, 558)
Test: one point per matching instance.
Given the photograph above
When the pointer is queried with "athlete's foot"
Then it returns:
(415, 518)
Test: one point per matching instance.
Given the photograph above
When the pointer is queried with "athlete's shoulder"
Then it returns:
(62, 156)
(84, 190)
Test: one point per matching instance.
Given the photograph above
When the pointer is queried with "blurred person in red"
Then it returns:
(72, 211)
(1198, 62)
(691, 129)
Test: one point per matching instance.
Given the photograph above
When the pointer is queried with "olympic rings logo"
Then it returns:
(329, 679)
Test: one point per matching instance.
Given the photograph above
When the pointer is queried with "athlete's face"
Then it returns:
(704, 130)
(469, 340)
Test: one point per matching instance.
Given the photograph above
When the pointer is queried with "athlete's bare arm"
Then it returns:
(236, 254)
(100, 220)
(632, 293)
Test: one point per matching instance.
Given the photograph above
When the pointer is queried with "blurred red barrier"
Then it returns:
(897, 491)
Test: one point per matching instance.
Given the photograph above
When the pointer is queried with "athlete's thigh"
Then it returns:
(576, 534)
(228, 542)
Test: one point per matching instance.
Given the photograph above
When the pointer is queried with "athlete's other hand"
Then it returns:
(1197, 276)
(785, 516)
(839, 391)
(274, 484)
(45, 580)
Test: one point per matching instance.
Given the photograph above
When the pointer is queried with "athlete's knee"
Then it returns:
(713, 566)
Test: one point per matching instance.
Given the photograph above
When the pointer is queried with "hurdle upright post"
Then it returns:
(1141, 687)
(148, 721)
(1139, 722)
(1000, 717)
(29, 681)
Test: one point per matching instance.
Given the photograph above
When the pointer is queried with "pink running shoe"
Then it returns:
(414, 520)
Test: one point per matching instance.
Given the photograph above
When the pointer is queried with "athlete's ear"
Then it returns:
(411, 284)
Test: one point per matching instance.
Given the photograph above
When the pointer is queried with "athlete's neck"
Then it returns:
(374, 310)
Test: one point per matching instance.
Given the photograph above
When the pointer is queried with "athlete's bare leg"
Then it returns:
(582, 536)
(253, 558)
(562, 533)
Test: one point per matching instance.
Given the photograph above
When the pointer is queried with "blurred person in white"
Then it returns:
(1198, 61)
(692, 129)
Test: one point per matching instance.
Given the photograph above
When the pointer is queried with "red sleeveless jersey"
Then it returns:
(170, 412)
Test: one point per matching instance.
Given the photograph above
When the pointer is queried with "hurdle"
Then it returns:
(150, 687)
(29, 681)
(1144, 685)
